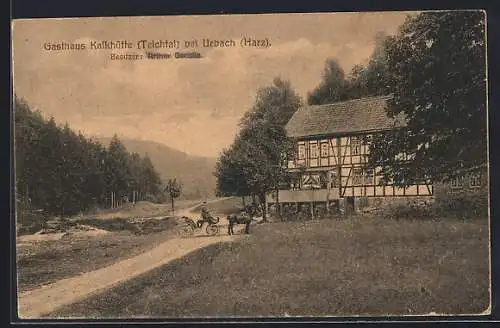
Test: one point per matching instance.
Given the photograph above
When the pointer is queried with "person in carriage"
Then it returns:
(206, 216)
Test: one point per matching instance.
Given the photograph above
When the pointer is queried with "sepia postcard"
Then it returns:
(252, 166)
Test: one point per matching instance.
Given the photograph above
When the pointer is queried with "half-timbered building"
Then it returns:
(332, 146)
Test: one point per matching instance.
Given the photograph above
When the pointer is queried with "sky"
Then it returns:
(192, 105)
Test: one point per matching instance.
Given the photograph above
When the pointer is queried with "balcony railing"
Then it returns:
(299, 196)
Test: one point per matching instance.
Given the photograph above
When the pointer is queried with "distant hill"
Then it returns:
(195, 173)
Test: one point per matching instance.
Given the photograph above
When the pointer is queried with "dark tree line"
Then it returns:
(63, 172)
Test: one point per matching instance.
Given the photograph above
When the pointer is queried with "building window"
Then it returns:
(334, 179)
(355, 145)
(475, 180)
(362, 176)
(357, 176)
(324, 149)
(369, 177)
(313, 150)
(457, 182)
(302, 151)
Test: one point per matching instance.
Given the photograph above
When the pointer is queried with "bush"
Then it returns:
(412, 209)
(462, 206)
(303, 211)
(28, 229)
(116, 224)
(154, 225)
(30, 221)
(320, 211)
(289, 212)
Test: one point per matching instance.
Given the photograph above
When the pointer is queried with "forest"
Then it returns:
(63, 172)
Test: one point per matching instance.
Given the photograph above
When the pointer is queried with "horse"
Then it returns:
(245, 217)
(241, 218)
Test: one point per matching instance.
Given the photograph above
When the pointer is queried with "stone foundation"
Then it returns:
(351, 205)
(367, 204)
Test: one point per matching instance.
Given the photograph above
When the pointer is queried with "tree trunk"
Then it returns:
(262, 197)
(172, 200)
(277, 203)
(243, 201)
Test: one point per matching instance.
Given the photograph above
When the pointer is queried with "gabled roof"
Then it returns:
(357, 115)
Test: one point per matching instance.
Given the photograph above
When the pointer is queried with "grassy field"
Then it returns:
(355, 266)
(51, 260)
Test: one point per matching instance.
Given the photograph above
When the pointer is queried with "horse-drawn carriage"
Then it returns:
(188, 227)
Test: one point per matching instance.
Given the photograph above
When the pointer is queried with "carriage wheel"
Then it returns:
(185, 231)
(212, 229)
(190, 223)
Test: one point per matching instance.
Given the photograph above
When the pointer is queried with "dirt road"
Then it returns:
(35, 303)
(191, 210)
(38, 302)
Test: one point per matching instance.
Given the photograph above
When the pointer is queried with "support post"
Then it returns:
(328, 182)
(277, 203)
(312, 204)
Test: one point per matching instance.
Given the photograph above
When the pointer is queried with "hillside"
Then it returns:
(196, 173)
